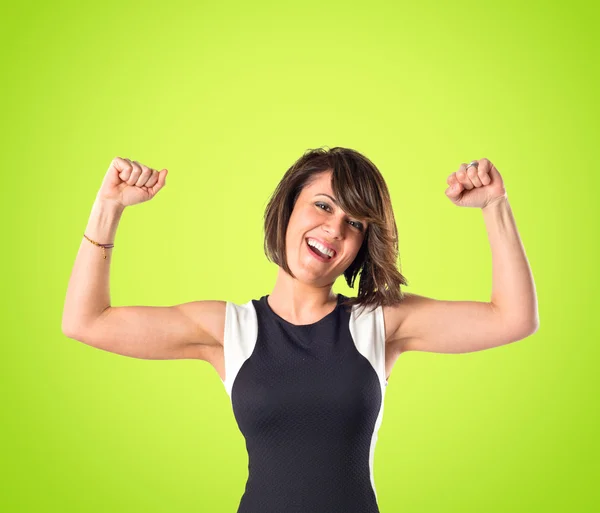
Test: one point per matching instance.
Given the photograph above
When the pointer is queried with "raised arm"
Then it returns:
(149, 332)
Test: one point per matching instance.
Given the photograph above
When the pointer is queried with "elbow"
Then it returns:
(527, 329)
(71, 331)
(533, 325)
(67, 331)
(78, 327)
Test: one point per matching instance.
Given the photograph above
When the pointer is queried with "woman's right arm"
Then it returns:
(148, 332)
(88, 292)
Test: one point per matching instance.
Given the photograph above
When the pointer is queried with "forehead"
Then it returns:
(321, 183)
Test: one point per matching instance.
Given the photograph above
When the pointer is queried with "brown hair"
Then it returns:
(361, 192)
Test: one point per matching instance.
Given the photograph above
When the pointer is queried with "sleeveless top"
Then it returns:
(308, 400)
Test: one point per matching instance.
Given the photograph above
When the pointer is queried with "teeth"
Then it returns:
(321, 248)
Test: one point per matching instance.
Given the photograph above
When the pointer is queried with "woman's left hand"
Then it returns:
(477, 186)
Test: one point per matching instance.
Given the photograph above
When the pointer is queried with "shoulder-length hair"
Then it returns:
(361, 192)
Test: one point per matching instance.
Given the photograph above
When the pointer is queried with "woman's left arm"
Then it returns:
(427, 324)
(513, 289)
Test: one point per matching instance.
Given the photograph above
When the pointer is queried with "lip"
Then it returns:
(320, 258)
(324, 244)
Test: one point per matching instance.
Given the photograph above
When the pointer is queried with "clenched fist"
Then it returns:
(129, 182)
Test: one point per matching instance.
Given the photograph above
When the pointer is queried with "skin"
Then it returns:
(417, 323)
(309, 297)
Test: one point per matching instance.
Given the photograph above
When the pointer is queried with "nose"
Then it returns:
(334, 228)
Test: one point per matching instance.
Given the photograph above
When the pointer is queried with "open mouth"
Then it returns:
(317, 254)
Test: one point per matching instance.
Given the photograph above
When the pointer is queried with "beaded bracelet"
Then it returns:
(103, 246)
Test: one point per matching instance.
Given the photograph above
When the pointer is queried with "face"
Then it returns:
(316, 215)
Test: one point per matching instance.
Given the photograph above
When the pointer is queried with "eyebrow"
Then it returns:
(333, 199)
(330, 197)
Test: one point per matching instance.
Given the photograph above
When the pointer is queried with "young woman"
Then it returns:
(306, 368)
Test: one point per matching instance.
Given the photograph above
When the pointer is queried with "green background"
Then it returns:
(227, 98)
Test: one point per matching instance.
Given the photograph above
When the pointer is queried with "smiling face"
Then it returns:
(315, 215)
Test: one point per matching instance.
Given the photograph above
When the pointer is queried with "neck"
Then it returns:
(297, 298)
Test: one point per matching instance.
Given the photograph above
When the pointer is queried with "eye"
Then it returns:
(358, 226)
(323, 205)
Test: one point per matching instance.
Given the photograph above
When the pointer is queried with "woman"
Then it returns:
(305, 368)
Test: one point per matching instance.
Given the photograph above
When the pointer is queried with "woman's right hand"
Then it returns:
(129, 182)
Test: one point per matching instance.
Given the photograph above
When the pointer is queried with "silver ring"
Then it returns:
(473, 163)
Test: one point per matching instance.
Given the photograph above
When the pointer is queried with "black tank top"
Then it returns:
(308, 400)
